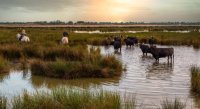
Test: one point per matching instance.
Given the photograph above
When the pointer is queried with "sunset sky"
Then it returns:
(100, 10)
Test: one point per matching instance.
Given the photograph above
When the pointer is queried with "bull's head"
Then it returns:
(152, 49)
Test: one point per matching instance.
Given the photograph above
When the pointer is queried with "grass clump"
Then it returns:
(80, 63)
(11, 51)
(3, 102)
(102, 67)
(4, 66)
(67, 98)
(176, 104)
(195, 79)
(196, 44)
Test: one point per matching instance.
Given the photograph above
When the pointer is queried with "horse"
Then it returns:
(23, 39)
(64, 40)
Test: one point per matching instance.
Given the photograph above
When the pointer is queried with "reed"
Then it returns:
(68, 98)
(4, 65)
(173, 104)
(195, 79)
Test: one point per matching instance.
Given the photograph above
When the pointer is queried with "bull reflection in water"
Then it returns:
(159, 71)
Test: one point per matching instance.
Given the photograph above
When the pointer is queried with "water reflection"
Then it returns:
(38, 81)
(117, 52)
(162, 71)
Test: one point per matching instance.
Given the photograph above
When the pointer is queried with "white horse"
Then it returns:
(64, 40)
(24, 39)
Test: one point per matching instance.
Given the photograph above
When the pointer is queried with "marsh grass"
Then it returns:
(3, 102)
(173, 104)
(196, 44)
(15, 51)
(4, 65)
(51, 36)
(68, 98)
(11, 51)
(92, 66)
(195, 79)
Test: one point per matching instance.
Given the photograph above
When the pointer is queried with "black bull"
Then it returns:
(117, 44)
(162, 52)
(145, 49)
(131, 41)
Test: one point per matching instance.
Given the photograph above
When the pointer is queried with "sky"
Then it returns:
(100, 10)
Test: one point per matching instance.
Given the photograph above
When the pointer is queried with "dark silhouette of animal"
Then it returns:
(107, 41)
(162, 53)
(145, 49)
(152, 41)
(131, 41)
(117, 43)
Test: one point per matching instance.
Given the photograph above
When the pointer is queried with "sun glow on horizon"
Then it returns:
(118, 10)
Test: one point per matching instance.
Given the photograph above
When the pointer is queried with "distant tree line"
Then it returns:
(59, 22)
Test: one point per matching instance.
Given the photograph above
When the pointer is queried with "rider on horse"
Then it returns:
(22, 34)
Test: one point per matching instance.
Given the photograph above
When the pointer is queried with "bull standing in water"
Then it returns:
(117, 43)
(145, 49)
(131, 41)
(162, 52)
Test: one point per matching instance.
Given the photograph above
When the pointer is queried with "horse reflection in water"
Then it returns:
(159, 71)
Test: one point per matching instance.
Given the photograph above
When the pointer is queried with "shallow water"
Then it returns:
(144, 31)
(150, 82)
(101, 32)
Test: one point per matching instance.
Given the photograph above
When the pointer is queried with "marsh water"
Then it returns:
(150, 82)
(143, 31)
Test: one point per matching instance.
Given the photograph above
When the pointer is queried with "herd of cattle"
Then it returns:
(151, 48)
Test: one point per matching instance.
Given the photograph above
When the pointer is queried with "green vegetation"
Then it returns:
(176, 104)
(91, 65)
(195, 79)
(68, 98)
(15, 51)
(4, 66)
(51, 36)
